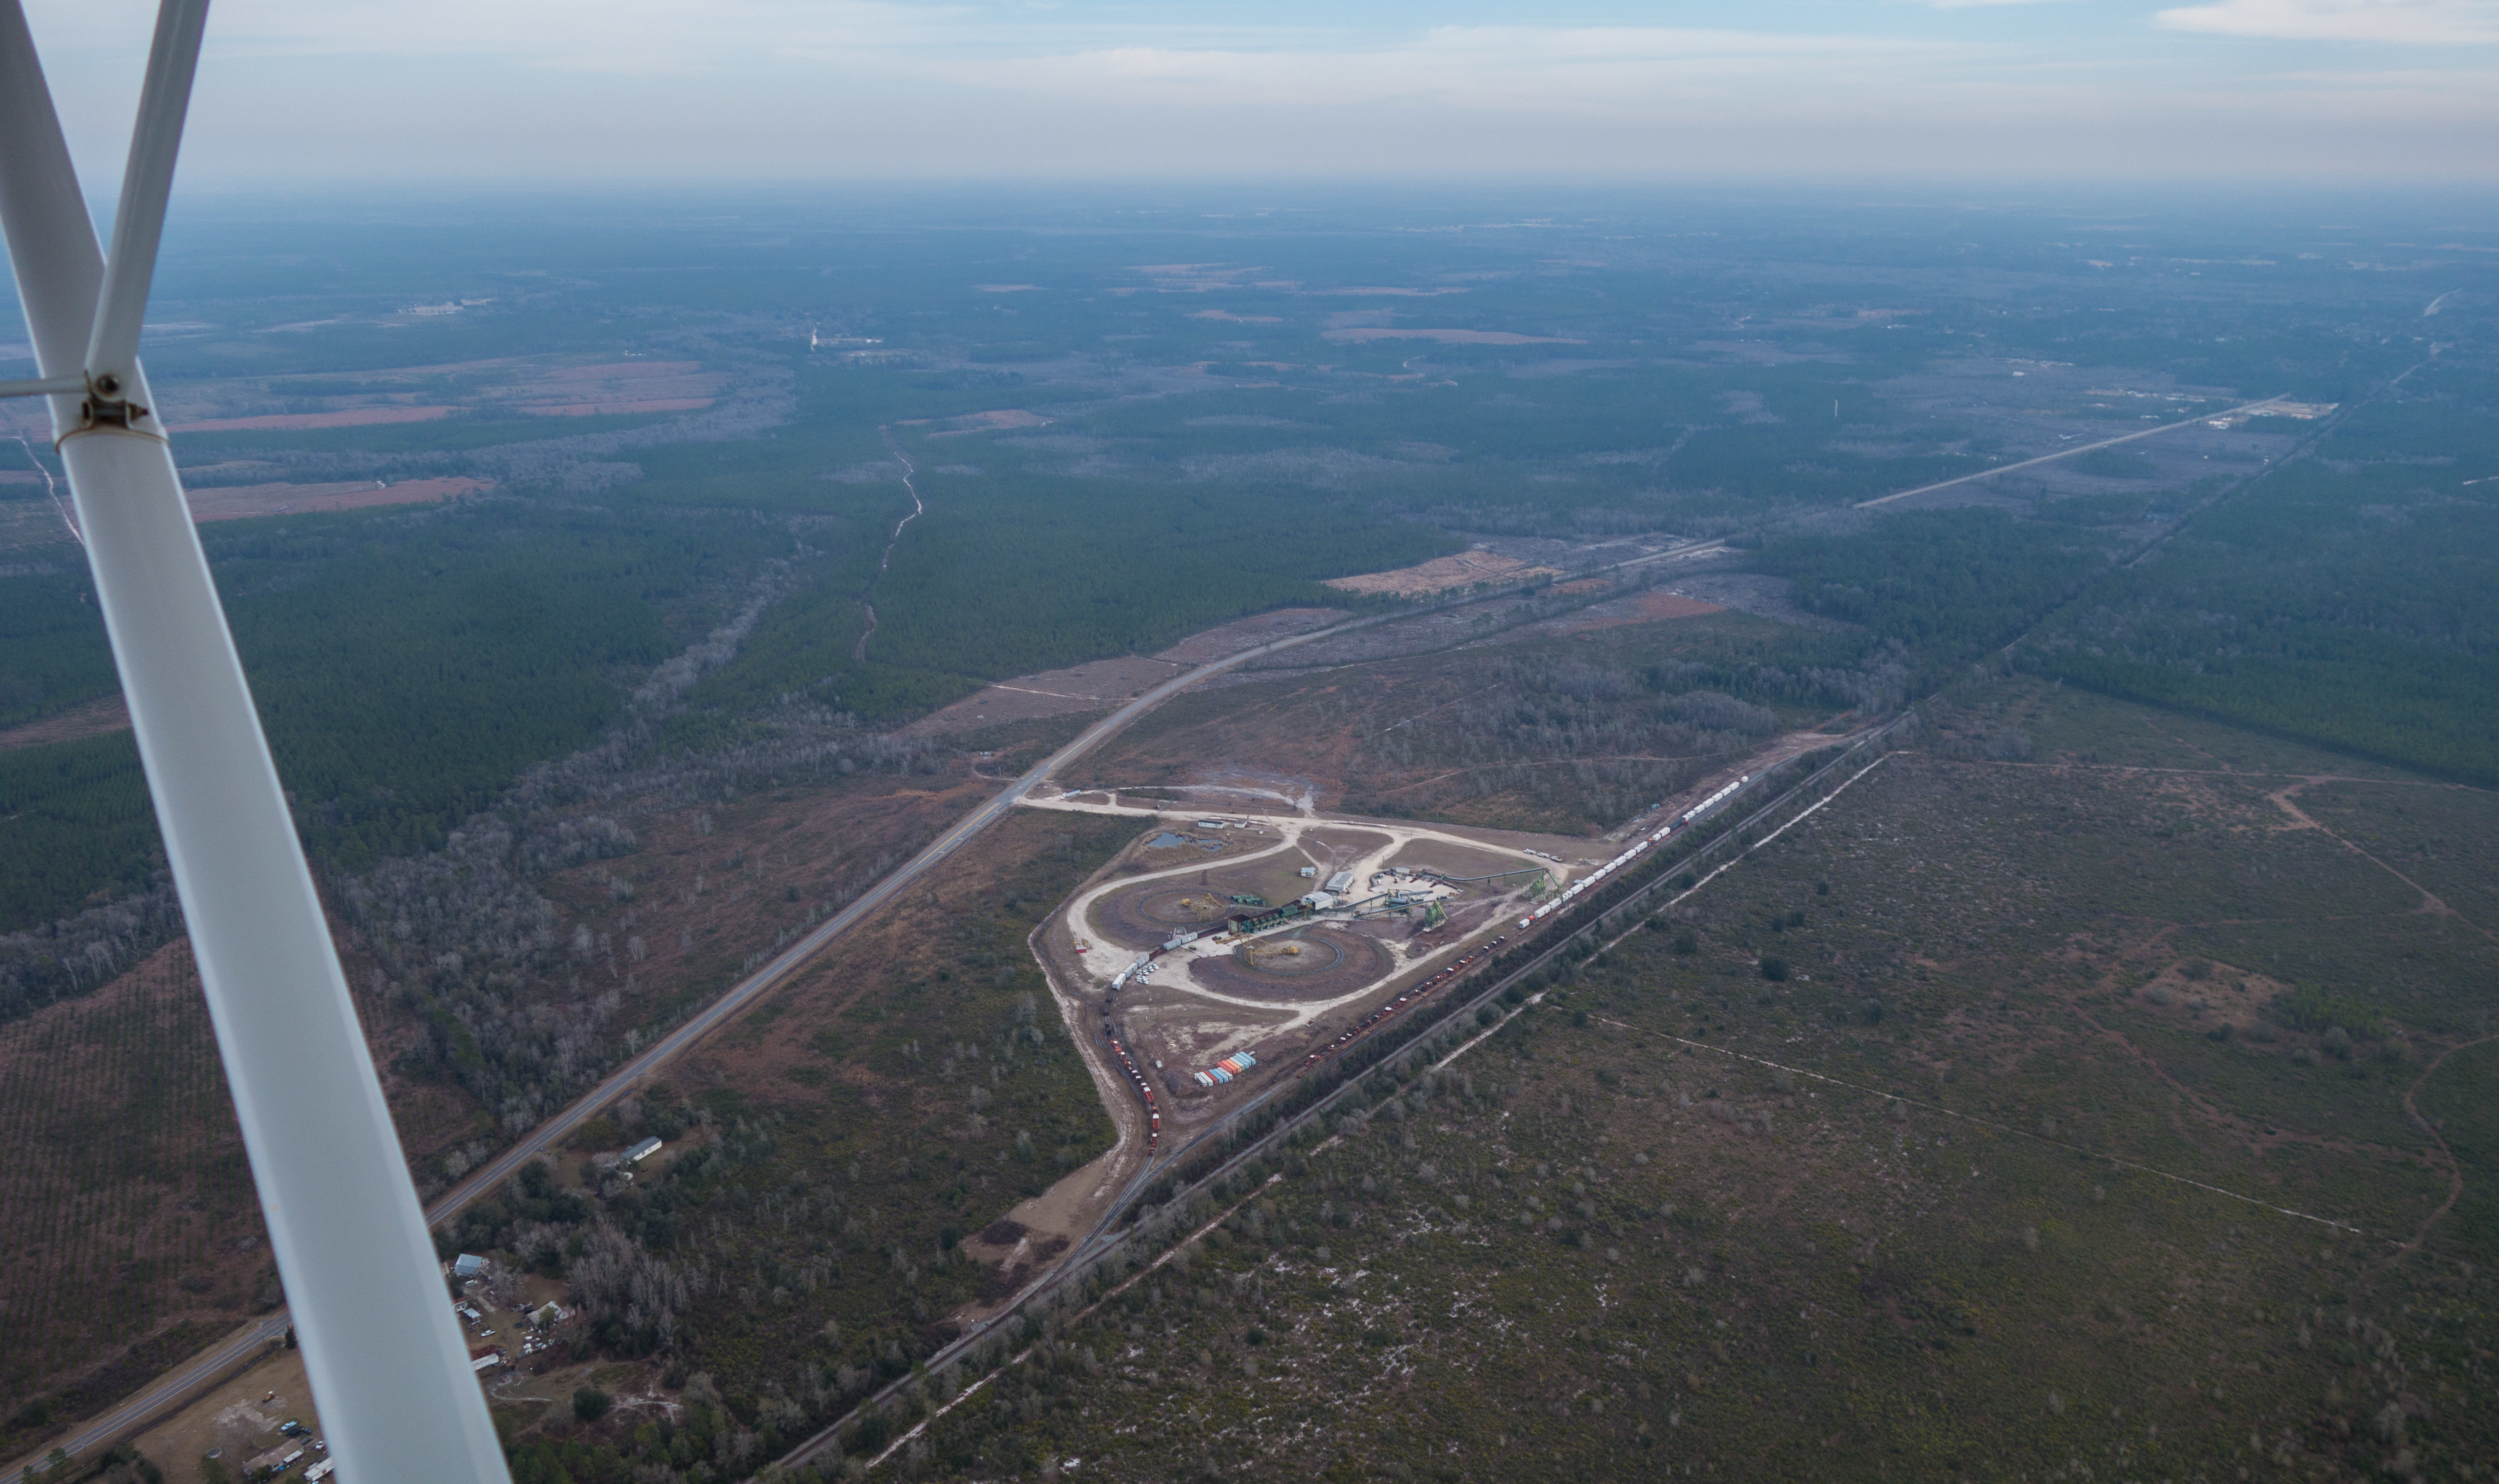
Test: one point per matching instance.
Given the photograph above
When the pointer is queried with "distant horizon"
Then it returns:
(1245, 196)
(2314, 91)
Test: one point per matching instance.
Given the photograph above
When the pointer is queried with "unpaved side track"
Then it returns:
(919, 507)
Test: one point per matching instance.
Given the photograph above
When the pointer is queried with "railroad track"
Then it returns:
(184, 1384)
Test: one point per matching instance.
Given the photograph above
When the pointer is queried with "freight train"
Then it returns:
(1137, 1079)
(1571, 893)
(1369, 1022)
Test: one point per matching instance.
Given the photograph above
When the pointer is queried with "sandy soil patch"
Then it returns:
(92, 719)
(1441, 573)
(1193, 278)
(624, 370)
(1228, 318)
(1640, 608)
(1176, 1040)
(1094, 687)
(242, 502)
(1152, 913)
(296, 422)
(614, 407)
(1312, 963)
(510, 387)
(617, 388)
(1248, 633)
(1448, 337)
(1456, 860)
(990, 422)
(1338, 848)
(239, 1418)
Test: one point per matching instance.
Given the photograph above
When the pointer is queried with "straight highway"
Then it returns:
(177, 1387)
(2066, 453)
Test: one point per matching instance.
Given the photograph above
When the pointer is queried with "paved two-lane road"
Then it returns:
(177, 1387)
(2066, 453)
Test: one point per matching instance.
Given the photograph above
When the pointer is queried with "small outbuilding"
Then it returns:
(468, 1264)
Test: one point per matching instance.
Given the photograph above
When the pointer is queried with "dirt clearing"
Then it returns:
(296, 422)
(1442, 574)
(239, 1419)
(1448, 337)
(1094, 687)
(1002, 420)
(616, 407)
(92, 719)
(244, 501)
(1248, 633)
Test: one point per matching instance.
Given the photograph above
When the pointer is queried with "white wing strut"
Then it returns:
(387, 1364)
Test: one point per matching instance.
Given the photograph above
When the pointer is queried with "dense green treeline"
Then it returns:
(2372, 695)
(1678, 439)
(52, 653)
(449, 434)
(2344, 600)
(1938, 580)
(406, 668)
(75, 828)
(405, 682)
(1005, 576)
(1000, 577)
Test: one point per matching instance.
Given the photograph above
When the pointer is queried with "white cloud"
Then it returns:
(1571, 70)
(658, 89)
(2411, 22)
(624, 37)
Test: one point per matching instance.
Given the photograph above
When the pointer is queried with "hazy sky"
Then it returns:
(320, 90)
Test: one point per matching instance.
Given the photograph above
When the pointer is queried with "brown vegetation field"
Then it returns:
(298, 422)
(244, 501)
(92, 719)
(133, 1231)
(2061, 1119)
(1441, 573)
(127, 1215)
(1525, 730)
(528, 386)
(1101, 684)
(881, 1133)
(1448, 337)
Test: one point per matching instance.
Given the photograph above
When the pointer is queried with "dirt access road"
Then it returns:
(919, 508)
(178, 1386)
